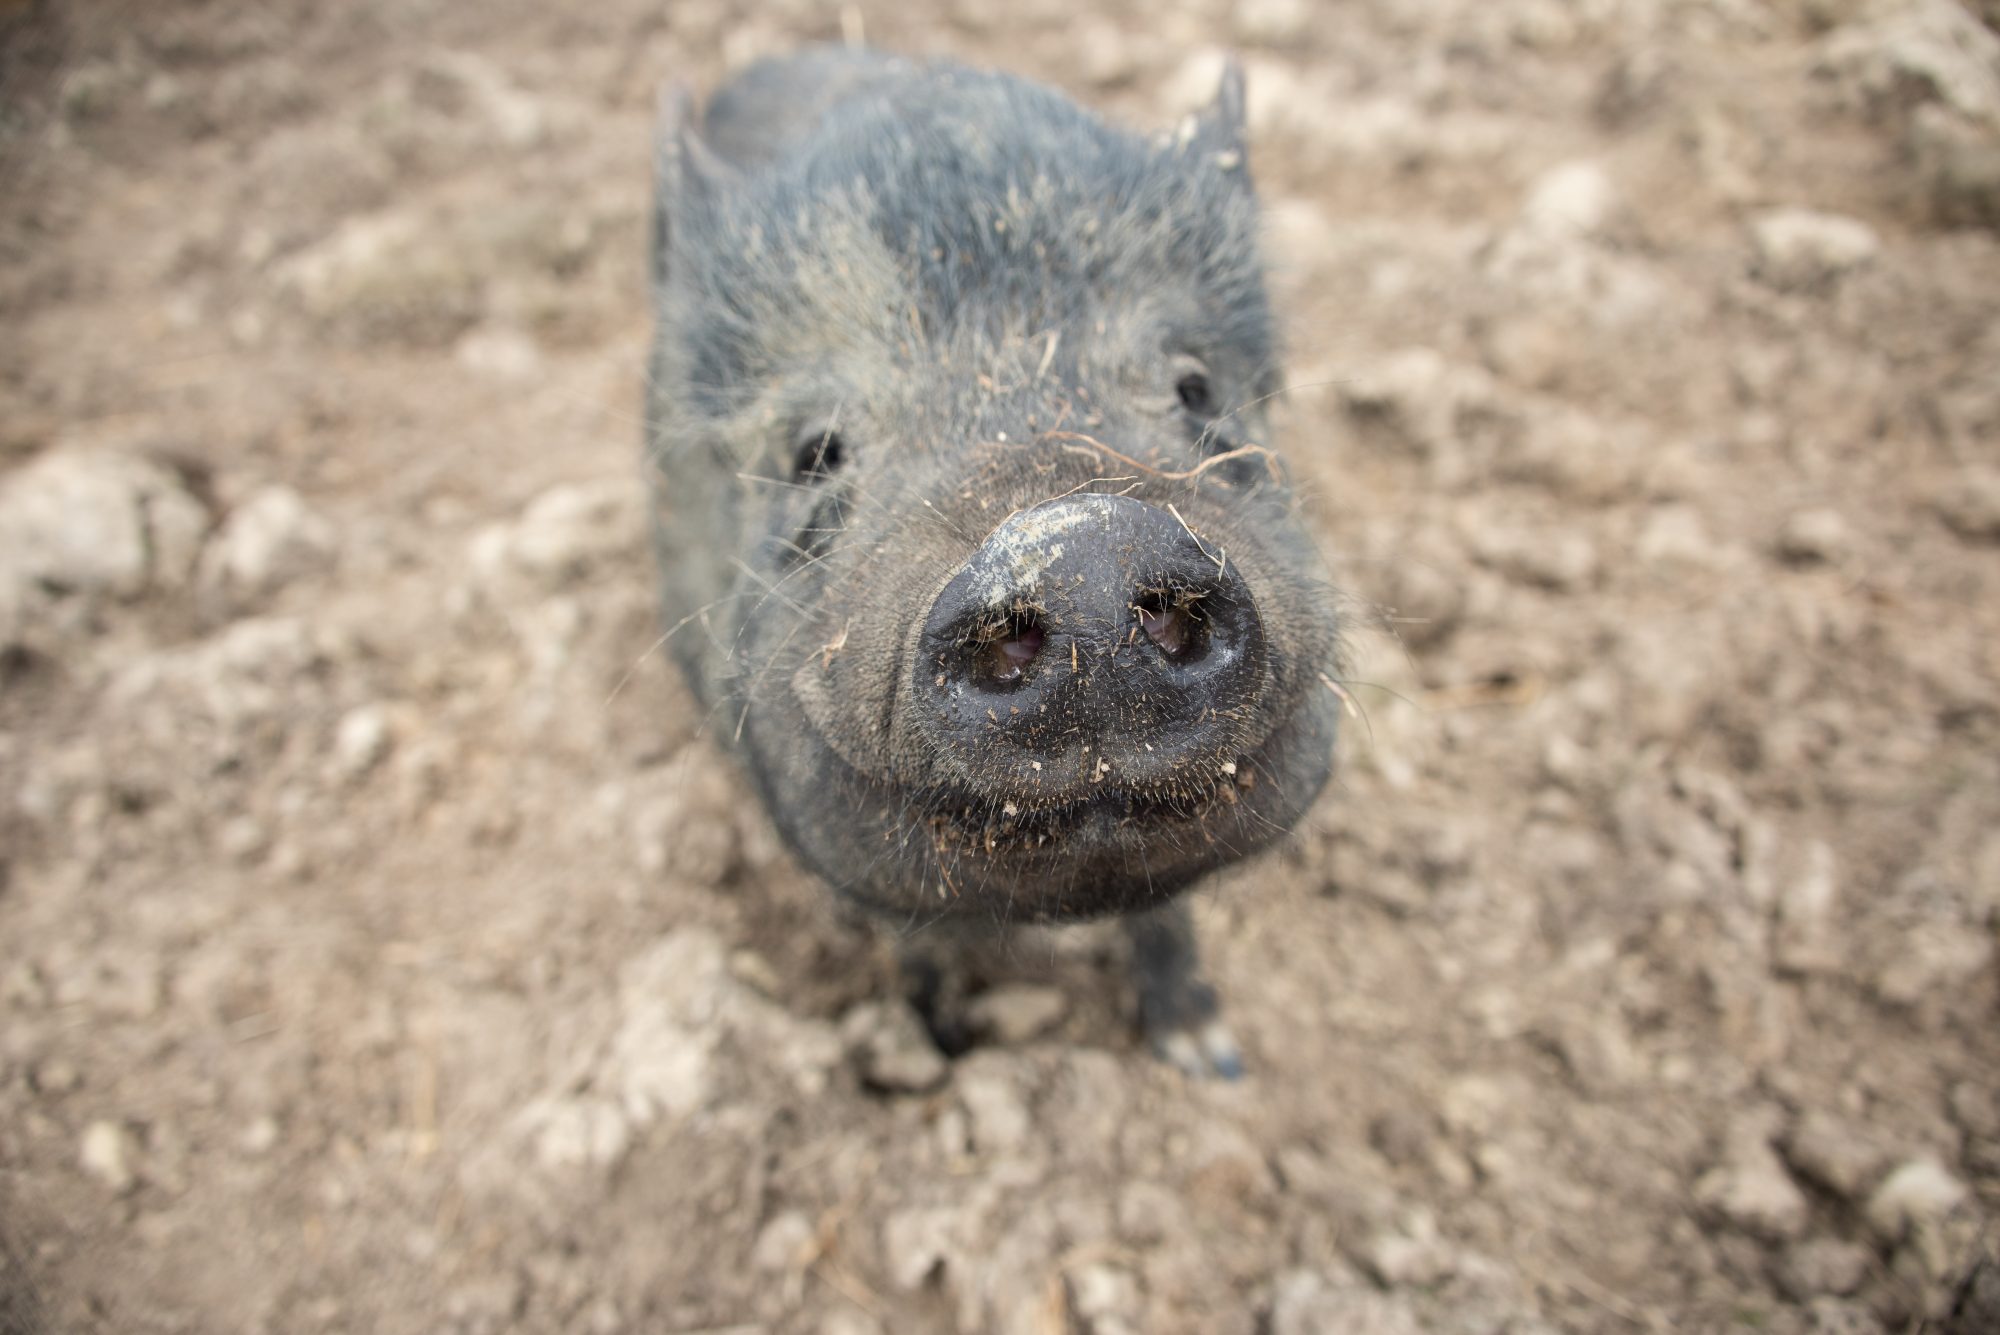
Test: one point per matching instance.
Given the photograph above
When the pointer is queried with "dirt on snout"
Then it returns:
(386, 944)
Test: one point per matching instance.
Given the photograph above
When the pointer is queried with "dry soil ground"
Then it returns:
(386, 946)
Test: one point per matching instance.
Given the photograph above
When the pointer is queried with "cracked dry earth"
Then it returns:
(386, 945)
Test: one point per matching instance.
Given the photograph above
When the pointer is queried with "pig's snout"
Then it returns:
(1091, 644)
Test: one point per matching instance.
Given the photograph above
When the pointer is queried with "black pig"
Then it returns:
(963, 512)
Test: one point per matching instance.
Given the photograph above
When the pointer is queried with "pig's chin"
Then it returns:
(947, 851)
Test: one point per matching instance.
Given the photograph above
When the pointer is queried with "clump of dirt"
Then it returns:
(387, 946)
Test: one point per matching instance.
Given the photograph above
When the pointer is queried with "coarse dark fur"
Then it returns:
(897, 304)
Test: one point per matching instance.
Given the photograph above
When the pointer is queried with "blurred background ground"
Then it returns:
(384, 945)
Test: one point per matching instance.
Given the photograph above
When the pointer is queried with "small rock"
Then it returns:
(1423, 597)
(998, 1113)
(1833, 1316)
(1441, 851)
(222, 694)
(57, 1077)
(1475, 1106)
(107, 1154)
(1813, 536)
(678, 1003)
(785, 1244)
(242, 838)
(1573, 199)
(1597, 1051)
(578, 1132)
(1933, 959)
(361, 740)
(1415, 398)
(1571, 453)
(1412, 1255)
(1806, 938)
(567, 530)
(1924, 52)
(1147, 1212)
(1842, 1158)
(953, 1131)
(1227, 1165)
(890, 1047)
(1083, 1216)
(756, 973)
(260, 1137)
(390, 278)
(1406, 1139)
(1017, 1012)
(499, 353)
(1542, 25)
(1819, 1266)
(267, 542)
(1675, 535)
(516, 119)
(94, 523)
(1568, 764)
(1934, 1228)
(1975, 1109)
(1750, 1189)
(1635, 87)
(1303, 1303)
(1528, 348)
(1970, 503)
(1559, 559)
(1916, 1196)
(916, 1243)
(488, 1303)
(1105, 1298)
(682, 833)
(1803, 248)
(805, 1052)
(1961, 163)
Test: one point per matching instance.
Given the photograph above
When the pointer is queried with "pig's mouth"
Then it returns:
(969, 823)
(1117, 846)
(1072, 852)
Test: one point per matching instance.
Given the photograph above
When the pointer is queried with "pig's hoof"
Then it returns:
(1205, 1050)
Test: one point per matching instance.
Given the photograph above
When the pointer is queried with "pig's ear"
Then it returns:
(1216, 131)
(686, 173)
(1222, 119)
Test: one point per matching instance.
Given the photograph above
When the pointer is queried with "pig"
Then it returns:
(970, 538)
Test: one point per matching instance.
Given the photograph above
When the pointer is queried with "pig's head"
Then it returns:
(971, 535)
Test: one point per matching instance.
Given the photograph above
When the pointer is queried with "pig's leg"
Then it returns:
(934, 965)
(1177, 1008)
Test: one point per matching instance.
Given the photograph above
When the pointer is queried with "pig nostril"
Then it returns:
(1168, 629)
(1003, 649)
(1089, 648)
(1172, 621)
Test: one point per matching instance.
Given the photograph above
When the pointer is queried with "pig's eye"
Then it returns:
(819, 457)
(1195, 394)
